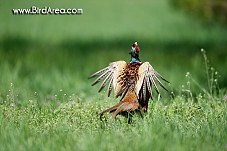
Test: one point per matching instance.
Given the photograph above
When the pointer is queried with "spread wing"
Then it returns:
(148, 78)
(111, 75)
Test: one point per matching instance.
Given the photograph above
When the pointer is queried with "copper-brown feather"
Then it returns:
(129, 102)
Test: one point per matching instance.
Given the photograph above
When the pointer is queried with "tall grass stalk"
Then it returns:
(207, 70)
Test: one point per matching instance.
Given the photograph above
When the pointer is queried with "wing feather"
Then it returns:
(105, 74)
(148, 84)
(110, 87)
(144, 88)
(99, 72)
(160, 83)
(156, 73)
(147, 73)
(110, 74)
(154, 84)
(104, 83)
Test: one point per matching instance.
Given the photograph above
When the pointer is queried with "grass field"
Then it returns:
(46, 99)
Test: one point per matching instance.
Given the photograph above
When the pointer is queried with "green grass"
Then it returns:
(46, 99)
(50, 105)
(177, 124)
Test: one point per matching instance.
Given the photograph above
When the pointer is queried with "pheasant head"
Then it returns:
(134, 52)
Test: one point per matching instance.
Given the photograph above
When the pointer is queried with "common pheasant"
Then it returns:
(133, 81)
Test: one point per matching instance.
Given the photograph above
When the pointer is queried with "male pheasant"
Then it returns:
(133, 81)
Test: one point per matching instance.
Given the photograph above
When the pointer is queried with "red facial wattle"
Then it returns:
(137, 48)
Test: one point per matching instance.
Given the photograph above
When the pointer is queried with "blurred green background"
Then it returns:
(45, 55)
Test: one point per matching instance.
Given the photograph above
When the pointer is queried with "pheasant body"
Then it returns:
(127, 80)
(129, 75)
(133, 82)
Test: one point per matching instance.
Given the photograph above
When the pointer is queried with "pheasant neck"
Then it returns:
(135, 59)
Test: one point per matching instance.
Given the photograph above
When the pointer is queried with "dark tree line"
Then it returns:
(207, 10)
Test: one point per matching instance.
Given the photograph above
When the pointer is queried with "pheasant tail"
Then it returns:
(128, 103)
